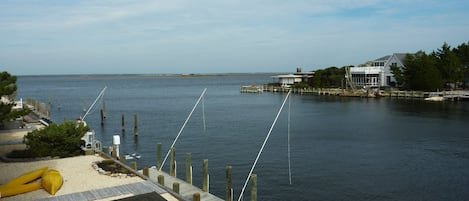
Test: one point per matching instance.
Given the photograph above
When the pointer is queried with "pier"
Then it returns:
(457, 95)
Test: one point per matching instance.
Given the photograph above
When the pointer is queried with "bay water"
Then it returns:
(341, 148)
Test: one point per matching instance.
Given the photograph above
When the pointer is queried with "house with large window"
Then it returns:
(377, 73)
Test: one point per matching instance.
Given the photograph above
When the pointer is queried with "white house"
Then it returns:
(288, 80)
(291, 79)
(377, 73)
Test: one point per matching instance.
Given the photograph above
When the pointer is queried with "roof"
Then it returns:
(288, 76)
(385, 58)
(401, 56)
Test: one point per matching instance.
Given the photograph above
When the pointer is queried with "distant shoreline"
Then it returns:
(192, 75)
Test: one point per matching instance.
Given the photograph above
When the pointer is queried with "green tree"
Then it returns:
(7, 90)
(421, 72)
(62, 140)
(449, 64)
(462, 52)
(329, 77)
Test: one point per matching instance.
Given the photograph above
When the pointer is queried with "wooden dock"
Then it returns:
(110, 192)
(186, 190)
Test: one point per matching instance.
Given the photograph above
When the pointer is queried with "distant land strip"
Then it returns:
(195, 75)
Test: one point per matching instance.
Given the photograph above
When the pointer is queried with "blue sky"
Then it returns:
(228, 36)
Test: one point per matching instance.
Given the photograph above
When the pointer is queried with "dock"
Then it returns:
(186, 190)
(126, 190)
(456, 95)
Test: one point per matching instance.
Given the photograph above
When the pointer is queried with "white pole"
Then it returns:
(262, 147)
(182, 128)
(91, 106)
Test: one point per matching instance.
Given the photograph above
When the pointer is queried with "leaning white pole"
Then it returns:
(289, 158)
(182, 128)
(92, 105)
(262, 147)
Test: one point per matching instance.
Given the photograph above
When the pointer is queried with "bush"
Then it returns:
(62, 140)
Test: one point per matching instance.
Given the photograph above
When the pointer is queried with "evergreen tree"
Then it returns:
(421, 72)
(7, 90)
(462, 52)
(329, 77)
(62, 140)
(449, 64)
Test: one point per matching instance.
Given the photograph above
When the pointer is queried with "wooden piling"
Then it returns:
(161, 179)
(102, 118)
(123, 123)
(228, 190)
(135, 124)
(196, 197)
(206, 181)
(104, 110)
(134, 165)
(188, 168)
(145, 171)
(253, 187)
(176, 187)
(159, 156)
(122, 160)
(172, 162)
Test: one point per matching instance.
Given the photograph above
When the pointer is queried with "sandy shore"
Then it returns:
(77, 173)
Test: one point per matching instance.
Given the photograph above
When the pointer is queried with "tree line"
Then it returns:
(445, 68)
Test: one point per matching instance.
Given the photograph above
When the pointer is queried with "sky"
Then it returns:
(218, 36)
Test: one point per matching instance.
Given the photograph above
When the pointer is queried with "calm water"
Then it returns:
(342, 148)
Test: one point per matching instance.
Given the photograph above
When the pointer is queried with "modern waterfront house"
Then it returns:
(290, 79)
(377, 73)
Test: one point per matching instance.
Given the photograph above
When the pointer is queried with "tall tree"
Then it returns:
(421, 72)
(462, 52)
(449, 64)
(7, 90)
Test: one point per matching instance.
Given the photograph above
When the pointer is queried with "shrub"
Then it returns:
(62, 140)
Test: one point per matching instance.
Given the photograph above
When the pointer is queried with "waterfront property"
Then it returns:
(377, 73)
(291, 79)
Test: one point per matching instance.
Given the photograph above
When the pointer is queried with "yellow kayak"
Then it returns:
(6, 191)
(27, 177)
(52, 181)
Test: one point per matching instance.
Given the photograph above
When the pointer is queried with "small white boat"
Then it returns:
(435, 98)
(132, 156)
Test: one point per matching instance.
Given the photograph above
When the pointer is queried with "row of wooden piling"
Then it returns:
(188, 179)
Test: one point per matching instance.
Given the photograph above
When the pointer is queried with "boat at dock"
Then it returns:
(435, 98)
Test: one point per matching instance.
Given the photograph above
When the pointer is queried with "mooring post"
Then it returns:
(161, 179)
(135, 124)
(206, 179)
(145, 171)
(172, 170)
(253, 187)
(188, 168)
(123, 122)
(159, 156)
(229, 190)
(104, 109)
(196, 197)
(102, 118)
(134, 165)
(176, 187)
(122, 160)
